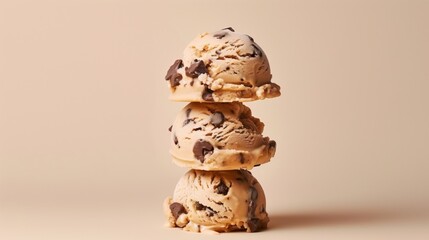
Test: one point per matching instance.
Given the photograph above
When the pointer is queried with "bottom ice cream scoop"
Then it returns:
(217, 201)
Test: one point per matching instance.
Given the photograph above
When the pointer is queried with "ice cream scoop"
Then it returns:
(217, 201)
(222, 66)
(219, 136)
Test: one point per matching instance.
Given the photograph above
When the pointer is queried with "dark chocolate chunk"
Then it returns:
(172, 75)
(248, 123)
(229, 28)
(171, 127)
(241, 158)
(201, 149)
(217, 119)
(187, 121)
(177, 209)
(253, 196)
(210, 212)
(221, 188)
(201, 207)
(188, 111)
(175, 80)
(173, 68)
(251, 39)
(220, 35)
(272, 144)
(207, 95)
(255, 224)
(263, 209)
(196, 69)
(257, 165)
(257, 52)
(197, 129)
(176, 141)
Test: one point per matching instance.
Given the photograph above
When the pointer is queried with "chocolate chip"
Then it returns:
(176, 141)
(201, 149)
(197, 129)
(258, 51)
(210, 212)
(257, 165)
(188, 111)
(201, 207)
(196, 69)
(248, 123)
(255, 224)
(187, 121)
(173, 75)
(253, 195)
(229, 28)
(207, 95)
(272, 144)
(171, 127)
(175, 80)
(177, 209)
(217, 119)
(220, 35)
(251, 39)
(173, 68)
(242, 158)
(221, 188)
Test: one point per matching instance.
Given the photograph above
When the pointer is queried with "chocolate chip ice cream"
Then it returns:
(222, 66)
(217, 201)
(219, 136)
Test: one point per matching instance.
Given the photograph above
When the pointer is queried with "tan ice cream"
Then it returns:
(219, 136)
(223, 66)
(217, 201)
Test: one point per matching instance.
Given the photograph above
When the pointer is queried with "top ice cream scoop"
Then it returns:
(223, 66)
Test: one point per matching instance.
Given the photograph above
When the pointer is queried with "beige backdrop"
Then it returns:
(84, 116)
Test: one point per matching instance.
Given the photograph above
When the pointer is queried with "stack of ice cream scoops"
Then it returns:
(216, 135)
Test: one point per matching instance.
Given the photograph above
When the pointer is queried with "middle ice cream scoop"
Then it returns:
(220, 136)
